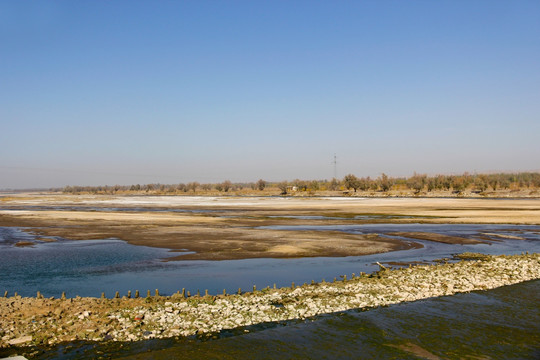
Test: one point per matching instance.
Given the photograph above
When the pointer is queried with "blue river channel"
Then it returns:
(90, 267)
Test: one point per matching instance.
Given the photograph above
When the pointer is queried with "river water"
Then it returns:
(502, 323)
(90, 267)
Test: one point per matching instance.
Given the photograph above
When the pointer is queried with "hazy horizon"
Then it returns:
(127, 92)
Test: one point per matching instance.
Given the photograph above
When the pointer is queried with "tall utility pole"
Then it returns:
(335, 166)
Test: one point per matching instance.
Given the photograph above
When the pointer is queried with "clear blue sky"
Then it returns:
(123, 92)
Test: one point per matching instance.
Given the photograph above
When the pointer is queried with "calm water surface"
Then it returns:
(90, 267)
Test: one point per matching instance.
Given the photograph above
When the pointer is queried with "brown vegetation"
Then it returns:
(524, 184)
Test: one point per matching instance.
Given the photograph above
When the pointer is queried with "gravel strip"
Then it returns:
(31, 321)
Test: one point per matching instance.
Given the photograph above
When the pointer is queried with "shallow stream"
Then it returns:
(90, 267)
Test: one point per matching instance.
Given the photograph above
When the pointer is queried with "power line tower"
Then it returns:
(335, 166)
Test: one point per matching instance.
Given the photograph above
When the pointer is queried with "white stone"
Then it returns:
(20, 340)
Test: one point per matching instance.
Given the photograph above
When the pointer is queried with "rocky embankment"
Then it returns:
(31, 321)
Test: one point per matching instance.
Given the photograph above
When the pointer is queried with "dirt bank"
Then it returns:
(219, 228)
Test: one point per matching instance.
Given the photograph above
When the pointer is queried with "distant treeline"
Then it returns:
(456, 183)
(478, 183)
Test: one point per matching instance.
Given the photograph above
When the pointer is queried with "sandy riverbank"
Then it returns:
(31, 321)
(219, 228)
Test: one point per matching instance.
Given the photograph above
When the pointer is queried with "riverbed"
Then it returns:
(91, 267)
(88, 245)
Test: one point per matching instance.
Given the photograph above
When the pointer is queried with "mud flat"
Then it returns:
(225, 228)
(32, 321)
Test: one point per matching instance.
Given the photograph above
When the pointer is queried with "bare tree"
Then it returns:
(416, 182)
(226, 185)
(364, 183)
(283, 187)
(334, 185)
(193, 186)
(351, 181)
(261, 184)
(385, 182)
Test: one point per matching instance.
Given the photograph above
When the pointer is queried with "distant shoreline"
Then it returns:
(492, 185)
(498, 195)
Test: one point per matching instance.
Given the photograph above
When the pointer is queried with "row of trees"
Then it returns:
(417, 183)
(456, 183)
(193, 187)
